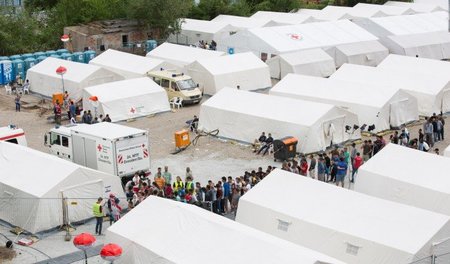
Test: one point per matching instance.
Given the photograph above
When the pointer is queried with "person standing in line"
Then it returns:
(341, 171)
(167, 175)
(357, 162)
(98, 214)
(321, 168)
(57, 111)
(17, 101)
(312, 166)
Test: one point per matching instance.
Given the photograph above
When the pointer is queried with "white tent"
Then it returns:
(315, 62)
(244, 70)
(281, 39)
(416, 65)
(374, 104)
(32, 184)
(447, 151)
(242, 115)
(127, 99)
(284, 18)
(241, 22)
(432, 91)
(165, 231)
(180, 56)
(433, 45)
(388, 10)
(441, 3)
(414, 178)
(350, 226)
(194, 30)
(45, 81)
(126, 64)
(368, 53)
(332, 13)
(417, 7)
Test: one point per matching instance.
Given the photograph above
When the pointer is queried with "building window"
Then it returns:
(352, 249)
(283, 225)
(125, 40)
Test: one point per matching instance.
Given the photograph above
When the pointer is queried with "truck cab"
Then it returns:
(59, 141)
(178, 85)
(13, 134)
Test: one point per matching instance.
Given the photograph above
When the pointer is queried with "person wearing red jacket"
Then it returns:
(357, 162)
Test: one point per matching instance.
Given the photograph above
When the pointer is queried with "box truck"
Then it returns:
(107, 147)
(13, 134)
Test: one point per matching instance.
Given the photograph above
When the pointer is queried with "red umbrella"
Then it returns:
(84, 241)
(65, 38)
(111, 252)
(61, 70)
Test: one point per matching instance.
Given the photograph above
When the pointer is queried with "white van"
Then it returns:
(13, 134)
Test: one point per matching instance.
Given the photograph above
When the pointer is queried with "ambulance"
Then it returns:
(13, 134)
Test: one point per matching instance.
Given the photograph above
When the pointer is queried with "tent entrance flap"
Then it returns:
(334, 131)
(446, 101)
(398, 113)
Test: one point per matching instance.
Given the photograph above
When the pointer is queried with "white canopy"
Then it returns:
(374, 104)
(431, 91)
(447, 151)
(127, 99)
(284, 18)
(441, 3)
(368, 53)
(423, 183)
(194, 30)
(166, 231)
(126, 64)
(45, 81)
(417, 7)
(180, 55)
(32, 184)
(244, 70)
(282, 39)
(242, 115)
(315, 62)
(332, 13)
(350, 226)
(388, 10)
(241, 22)
(433, 45)
(416, 65)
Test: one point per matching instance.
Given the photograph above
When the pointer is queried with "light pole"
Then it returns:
(66, 39)
(111, 252)
(94, 101)
(61, 70)
(84, 241)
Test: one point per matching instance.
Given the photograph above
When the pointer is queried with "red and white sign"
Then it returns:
(294, 36)
(120, 159)
(145, 153)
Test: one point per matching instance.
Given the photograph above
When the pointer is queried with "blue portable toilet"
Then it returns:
(26, 56)
(55, 56)
(50, 53)
(19, 68)
(39, 54)
(2, 58)
(40, 58)
(15, 57)
(30, 62)
(66, 56)
(62, 51)
(6, 72)
(78, 57)
(150, 45)
(89, 55)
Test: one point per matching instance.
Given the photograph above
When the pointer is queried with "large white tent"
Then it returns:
(33, 183)
(242, 116)
(447, 151)
(432, 45)
(45, 81)
(244, 70)
(416, 65)
(284, 18)
(126, 64)
(127, 99)
(242, 22)
(268, 41)
(432, 91)
(179, 55)
(165, 231)
(414, 178)
(194, 30)
(315, 62)
(388, 10)
(350, 226)
(417, 7)
(441, 3)
(332, 13)
(368, 53)
(374, 104)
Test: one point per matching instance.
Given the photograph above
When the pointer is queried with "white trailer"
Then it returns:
(12, 134)
(107, 147)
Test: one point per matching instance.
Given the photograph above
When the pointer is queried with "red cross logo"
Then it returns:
(132, 110)
(295, 36)
(99, 147)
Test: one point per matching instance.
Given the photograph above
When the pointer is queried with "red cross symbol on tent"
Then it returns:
(132, 110)
(99, 147)
(295, 36)
(143, 145)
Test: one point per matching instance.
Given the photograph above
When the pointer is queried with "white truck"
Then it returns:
(107, 147)
(12, 134)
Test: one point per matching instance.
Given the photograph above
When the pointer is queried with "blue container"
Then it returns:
(40, 58)
(67, 56)
(15, 57)
(19, 68)
(27, 55)
(39, 54)
(150, 45)
(89, 55)
(2, 58)
(6, 72)
(62, 51)
(50, 53)
(55, 56)
(78, 57)
(30, 62)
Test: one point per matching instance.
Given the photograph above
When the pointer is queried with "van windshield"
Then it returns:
(186, 84)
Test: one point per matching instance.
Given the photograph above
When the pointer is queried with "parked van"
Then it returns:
(13, 134)
(178, 85)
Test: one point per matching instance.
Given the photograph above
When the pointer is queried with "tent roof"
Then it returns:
(341, 12)
(124, 89)
(417, 7)
(268, 107)
(361, 48)
(182, 54)
(32, 171)
(442, 3)
(388, 10)
(421, 39)
(107, 130)
(161, 235)
(335, 90)
(417, 65)
(416, 173)
(371, 218)
(203, 25)
(125, 61)
(232, 63)
(398, 79)
(305, 56)
(242, 22)
(307, 11)
(288, 18)
(76, 72)
(413, 24)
